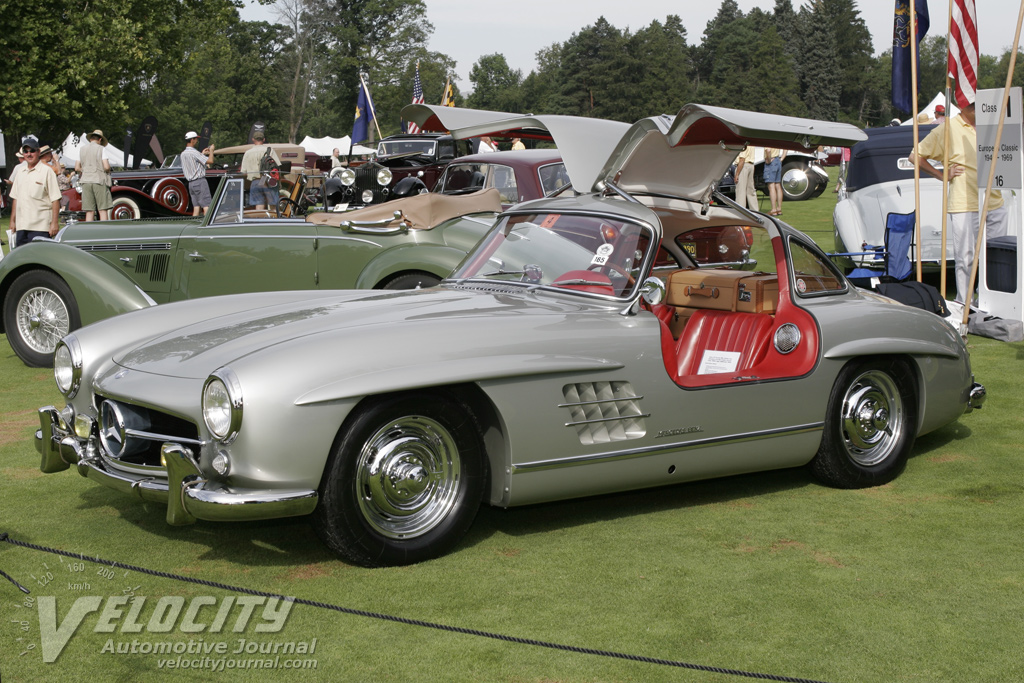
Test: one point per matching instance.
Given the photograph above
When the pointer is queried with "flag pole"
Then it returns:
(913, 105)
(373, 111)
(945, 162)
(991, 171)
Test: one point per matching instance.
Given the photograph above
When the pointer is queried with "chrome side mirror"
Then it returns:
(653, 291)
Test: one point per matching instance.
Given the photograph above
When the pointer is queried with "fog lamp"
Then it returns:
(221, 463)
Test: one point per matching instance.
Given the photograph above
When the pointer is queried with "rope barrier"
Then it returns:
(402, 620)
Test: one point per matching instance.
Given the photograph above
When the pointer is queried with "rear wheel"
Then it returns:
(404, 482)
(797, 181)
(870, 425)
(38, 312)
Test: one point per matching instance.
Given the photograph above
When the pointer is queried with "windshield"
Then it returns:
(584, 253)
(392, 147)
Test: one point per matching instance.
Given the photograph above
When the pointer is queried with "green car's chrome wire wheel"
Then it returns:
(873, 418)
(42, 319)
(408, 477)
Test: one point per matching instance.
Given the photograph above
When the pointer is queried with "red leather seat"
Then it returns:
(747, 333)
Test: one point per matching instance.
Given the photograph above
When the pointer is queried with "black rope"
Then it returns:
(404, 620)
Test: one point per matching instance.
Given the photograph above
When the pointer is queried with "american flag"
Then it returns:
(417, 97)
(963, 51)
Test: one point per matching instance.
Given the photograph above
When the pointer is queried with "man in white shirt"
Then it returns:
(35, 198)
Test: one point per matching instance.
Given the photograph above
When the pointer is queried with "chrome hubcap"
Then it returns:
(795, 182)
(872, 418)
(408, 477)
(42, 319)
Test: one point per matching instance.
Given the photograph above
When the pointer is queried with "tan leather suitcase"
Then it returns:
(724, 290)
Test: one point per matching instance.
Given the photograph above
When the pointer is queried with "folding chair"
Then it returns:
(895, 252)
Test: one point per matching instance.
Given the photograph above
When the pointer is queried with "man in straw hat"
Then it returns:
(95, 177)
(35, 198)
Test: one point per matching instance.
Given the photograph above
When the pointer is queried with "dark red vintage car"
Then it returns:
(163, 192)
(519, 176)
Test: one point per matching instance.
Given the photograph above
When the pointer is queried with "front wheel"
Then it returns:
(411, 281)
(38, 311)
(404, 481)
(125, 208)
(869, 427)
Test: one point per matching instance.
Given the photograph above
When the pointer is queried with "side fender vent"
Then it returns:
(142, 264)
(602, 412)
(159, 270)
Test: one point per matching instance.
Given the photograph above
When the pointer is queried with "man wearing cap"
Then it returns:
(193, 166)
(35, 198)
(95, 178)
(963, 213)
(261, 194)
(940, 113)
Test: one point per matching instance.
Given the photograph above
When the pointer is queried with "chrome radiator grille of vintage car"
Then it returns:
(134, 434)
(602, 412)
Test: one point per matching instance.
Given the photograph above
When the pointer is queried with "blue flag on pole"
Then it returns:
(364, 114)
(901, 42)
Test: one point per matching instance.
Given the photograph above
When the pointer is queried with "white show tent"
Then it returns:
(69, 152)
(325, 146)
(930, 109)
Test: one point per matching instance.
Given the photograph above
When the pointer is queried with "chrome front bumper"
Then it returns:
(186, 492)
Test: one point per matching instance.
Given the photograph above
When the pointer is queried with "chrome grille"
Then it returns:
(134, 434)
(602, 412)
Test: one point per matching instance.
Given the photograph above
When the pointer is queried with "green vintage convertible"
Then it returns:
(92, 271)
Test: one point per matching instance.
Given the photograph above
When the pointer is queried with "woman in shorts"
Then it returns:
(773, 178)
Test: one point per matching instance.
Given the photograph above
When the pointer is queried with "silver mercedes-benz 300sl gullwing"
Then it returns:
(635, 335)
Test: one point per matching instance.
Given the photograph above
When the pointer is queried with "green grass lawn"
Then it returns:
(918, 580)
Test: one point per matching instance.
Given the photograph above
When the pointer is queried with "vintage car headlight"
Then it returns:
(367, 196)
(384, 176)
(222, 405)
(347, 177)
(67, 366)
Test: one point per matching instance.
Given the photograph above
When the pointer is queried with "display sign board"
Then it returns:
(1008, 158)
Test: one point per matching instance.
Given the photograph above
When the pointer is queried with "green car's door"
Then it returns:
(235, 252)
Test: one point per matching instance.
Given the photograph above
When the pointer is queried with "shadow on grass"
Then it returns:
(289, 543)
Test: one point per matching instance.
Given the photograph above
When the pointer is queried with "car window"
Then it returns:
(389, 147)
(229, 207)
(813, 273)
(737, 247)
(582, 253)
(472, 177)
(552, 177)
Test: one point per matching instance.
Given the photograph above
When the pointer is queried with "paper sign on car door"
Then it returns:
(718, 361)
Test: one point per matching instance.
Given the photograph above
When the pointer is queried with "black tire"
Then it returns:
(798, 183)
(404, 481)
(870, 425)
(411, 281)
(125, 208)
(38, 311)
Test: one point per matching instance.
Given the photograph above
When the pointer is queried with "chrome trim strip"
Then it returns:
(139, 246)
(150, 436)
(599, 400)
(539, 465)
(607, 419)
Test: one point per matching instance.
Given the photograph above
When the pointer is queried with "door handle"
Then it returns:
(125, 260)
(196, 256)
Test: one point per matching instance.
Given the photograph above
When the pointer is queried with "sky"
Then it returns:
(466, 31)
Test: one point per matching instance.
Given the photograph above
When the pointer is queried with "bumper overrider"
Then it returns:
(189, 496)
(976, 396)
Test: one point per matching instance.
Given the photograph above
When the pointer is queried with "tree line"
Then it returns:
(76, 65)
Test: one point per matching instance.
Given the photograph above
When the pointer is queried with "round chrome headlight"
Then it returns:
(67, 366)
(222, 405)
(384, 176)
(347, 177)
(367, 196)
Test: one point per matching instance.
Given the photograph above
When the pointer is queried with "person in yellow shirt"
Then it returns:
(964, 217)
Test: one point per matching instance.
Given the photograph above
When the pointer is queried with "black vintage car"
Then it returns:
(404, 164)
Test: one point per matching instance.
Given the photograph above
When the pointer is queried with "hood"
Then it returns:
(681, 155)
(396, 325)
